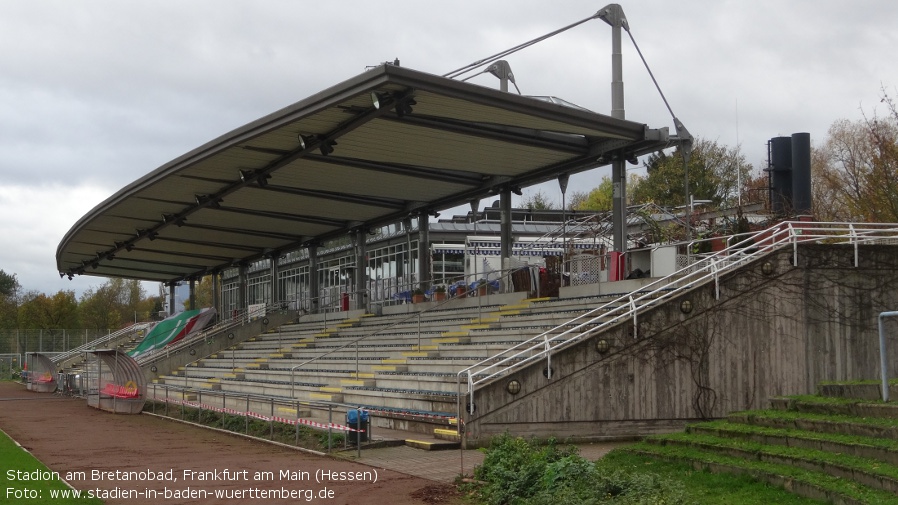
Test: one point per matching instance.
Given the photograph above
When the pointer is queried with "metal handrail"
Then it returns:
(270, 399)
(71, 353)
(253, 396)
(687, 278)
(504, 275)
(241, 317)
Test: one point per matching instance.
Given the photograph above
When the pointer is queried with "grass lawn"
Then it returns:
(707, 488)
(16, 465)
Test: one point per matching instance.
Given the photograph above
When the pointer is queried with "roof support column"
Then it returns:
(241, 287)
(619, 205)
(313, 278)
(613, 14)
(171, 298)
(216, 298)
(423, 251)
(192, 301)
(361, 269)
(275, 268)
(505, 237)
(563, 179)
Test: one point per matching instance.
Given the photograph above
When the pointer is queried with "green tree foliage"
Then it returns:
(39, 311)
(856, 171)
(538, 201)
(9, 300)
(9, 285)
(98, 308)
(111, 305)
(149, 308)
(714, 173)
(202, 292)
(600, 199)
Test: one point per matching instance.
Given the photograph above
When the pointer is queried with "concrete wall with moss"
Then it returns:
(774, 330)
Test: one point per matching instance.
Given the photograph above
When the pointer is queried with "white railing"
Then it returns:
(96, 343)
(501, 276)
(246, 405)
(628, 307)
(237, 318)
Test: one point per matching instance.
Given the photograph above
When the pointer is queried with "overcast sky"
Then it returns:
(95, 94)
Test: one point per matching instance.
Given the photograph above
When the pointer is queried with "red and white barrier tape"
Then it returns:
(262, 417)
(413, 414)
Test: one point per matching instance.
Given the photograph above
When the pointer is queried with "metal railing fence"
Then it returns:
(500, 276)
(10, 366)
(102, 341)
(20, 340)
(704, 270)
(250, 406)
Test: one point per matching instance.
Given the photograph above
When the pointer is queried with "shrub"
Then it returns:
(520, 472)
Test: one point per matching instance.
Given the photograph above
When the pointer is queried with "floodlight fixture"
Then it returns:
(376, 99)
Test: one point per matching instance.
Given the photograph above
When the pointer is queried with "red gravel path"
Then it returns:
(68, 436)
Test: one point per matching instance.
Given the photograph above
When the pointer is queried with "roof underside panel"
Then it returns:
(332, 163)
(196, 248)
(466, 111)
(373, 180)
(284, 201)
(397, 142)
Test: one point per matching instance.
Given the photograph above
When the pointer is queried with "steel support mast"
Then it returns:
(613, 14)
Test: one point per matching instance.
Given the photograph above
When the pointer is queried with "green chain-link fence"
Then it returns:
(20, 341)
(10, 364)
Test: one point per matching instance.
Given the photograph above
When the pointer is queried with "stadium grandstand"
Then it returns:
(318, 226)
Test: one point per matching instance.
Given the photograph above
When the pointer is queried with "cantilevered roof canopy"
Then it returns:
(370, 151)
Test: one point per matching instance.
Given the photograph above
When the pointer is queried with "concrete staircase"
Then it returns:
(840, 445)
(401, 367)
(73, 362)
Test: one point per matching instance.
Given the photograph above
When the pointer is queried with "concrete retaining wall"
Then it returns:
(774, 331)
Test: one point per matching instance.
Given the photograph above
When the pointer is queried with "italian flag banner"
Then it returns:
(174, 328)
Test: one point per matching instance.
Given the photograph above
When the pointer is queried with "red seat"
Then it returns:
(119, 391)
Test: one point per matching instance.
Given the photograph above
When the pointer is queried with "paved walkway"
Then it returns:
(443, 465)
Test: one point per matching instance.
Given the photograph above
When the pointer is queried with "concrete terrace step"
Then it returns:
(862, 470)
(437, 445)
(511, 324)
(858, 446)
(402, 386)
(398, 362)
(834, 445)
(399, 399)
(843, 425)
(536, 308)
(868, 390)
(449, 365)
(331, 375)
(447, 434)
(846, 407)
(486, 348)
(338, 379)
(808, 484)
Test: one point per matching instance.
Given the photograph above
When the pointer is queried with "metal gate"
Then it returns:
(10, 365)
